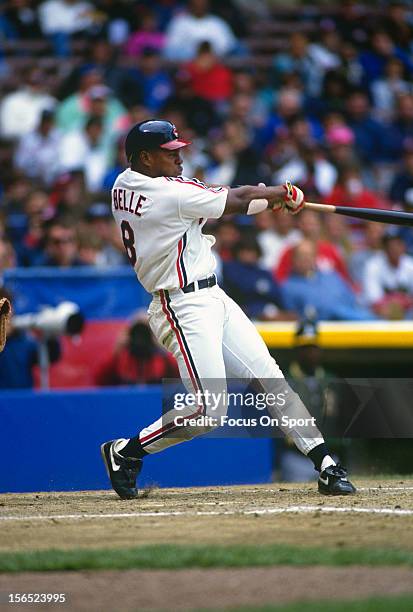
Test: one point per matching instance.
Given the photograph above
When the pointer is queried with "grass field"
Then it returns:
(241, 548)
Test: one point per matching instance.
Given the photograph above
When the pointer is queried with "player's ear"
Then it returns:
(145, 158)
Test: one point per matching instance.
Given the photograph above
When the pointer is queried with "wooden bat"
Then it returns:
(394, 217)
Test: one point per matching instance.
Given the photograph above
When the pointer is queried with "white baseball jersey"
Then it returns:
(161, 221)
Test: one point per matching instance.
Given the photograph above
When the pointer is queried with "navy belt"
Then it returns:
(201, 284)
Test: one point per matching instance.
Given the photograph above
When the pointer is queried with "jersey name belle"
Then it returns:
(161, 221)
(127, 201)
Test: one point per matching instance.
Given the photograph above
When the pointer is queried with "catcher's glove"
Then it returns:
(5, 311)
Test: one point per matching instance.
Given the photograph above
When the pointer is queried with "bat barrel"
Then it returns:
(394, 217)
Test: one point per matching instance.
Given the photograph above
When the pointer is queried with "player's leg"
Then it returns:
(247, 358)
(190, 327)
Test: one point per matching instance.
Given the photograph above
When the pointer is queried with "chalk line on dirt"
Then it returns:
(254, 511)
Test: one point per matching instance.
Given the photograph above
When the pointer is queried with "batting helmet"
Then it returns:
(152, 134)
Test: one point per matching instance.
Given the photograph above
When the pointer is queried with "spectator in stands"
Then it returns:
(199, 113)
(351, 66)
(90, 248)
(396, 22)
(228, 166)
(118, 165)
(339, 140)
(147, 35)
(373, 242)
(37, 210)
(289, 110)
(388, 88)
(327, 254)
(20, 110)
(92, 97)
(21, 20)
(61, 19)
(188, 29)
(374, 60)
(20, 355)
(16, 190)
(69, 196)
(401, 189)
(308, 166)
(388, 279)
(335, 89)
(227, 234)
(303, 60)
(401, 128)
(209, 78)
(151, 76)
(251, 286)
(336, 231)
(275, 233)
(37, 152)
(321, 292)
(102, 61)
(370, 135)
(137, 360)
(326, 51)
(84, 150)
(100, 223)
(60, 245)
(7, 257)
(350, 191)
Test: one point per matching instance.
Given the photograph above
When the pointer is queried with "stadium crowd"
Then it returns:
(322, 97)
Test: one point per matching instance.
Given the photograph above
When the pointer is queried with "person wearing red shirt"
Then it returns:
(327, 255)
(209, 78)
(137, 360)
(350, 191)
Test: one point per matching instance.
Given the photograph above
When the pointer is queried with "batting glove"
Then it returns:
(293, 199)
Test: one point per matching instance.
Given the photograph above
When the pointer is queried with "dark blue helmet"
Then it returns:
(152, 134)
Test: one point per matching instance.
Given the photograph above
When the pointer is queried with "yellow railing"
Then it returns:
(348, 334)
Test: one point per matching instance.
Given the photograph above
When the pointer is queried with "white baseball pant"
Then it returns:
(212, 339)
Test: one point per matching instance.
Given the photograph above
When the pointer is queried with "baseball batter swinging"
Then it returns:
(161, 215)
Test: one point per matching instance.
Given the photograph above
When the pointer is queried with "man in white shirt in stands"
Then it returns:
(388, 279)
(187, 30)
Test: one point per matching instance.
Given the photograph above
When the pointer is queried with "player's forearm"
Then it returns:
(239, 198)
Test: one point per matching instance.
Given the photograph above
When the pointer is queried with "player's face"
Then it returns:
(166, 163)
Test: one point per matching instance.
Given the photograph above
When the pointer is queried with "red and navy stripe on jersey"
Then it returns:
(193, 181)
(180, 263)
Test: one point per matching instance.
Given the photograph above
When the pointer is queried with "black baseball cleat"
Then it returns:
(122, 471)
(333, 481)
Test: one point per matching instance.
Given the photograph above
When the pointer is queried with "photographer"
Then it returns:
(20, 355)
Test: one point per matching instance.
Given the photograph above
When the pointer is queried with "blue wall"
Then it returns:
(51, 442)
(107, 293)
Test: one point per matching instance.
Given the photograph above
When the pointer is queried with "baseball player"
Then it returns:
(161, 216)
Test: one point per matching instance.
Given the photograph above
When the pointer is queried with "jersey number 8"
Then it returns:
(128, 239)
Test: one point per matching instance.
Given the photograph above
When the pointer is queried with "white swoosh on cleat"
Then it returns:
(115, 466)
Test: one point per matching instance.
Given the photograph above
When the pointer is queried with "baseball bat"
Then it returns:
(394, 217)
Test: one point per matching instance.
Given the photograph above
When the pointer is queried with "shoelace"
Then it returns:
(338, 470)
